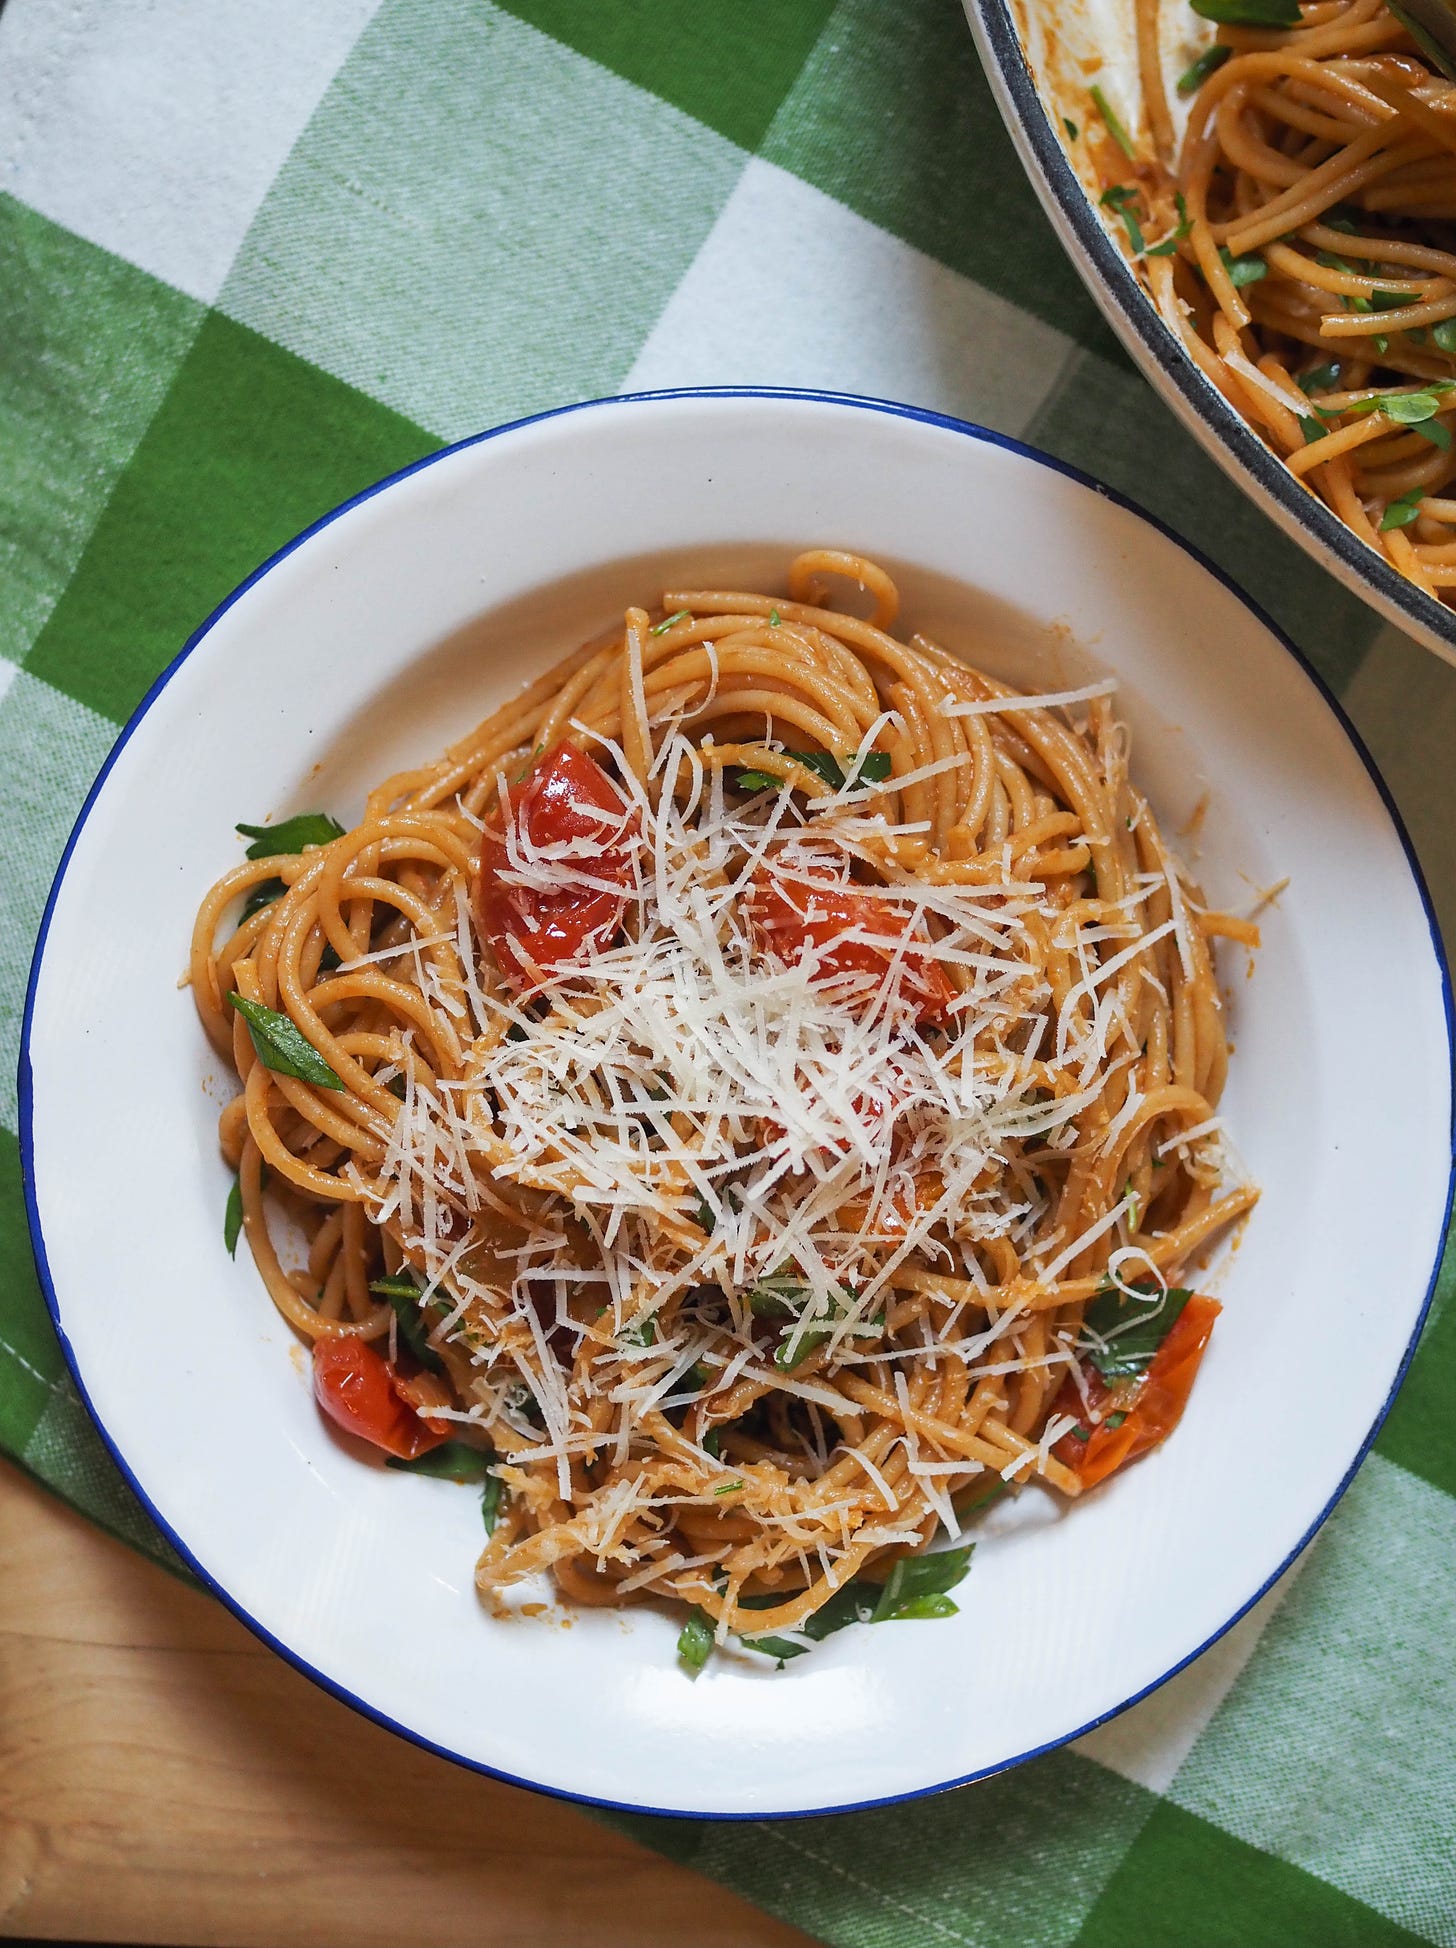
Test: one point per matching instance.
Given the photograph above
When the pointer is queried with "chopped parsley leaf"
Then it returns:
(1401, 512)
(1124, 1333)
(917, 1585)
(1249, 13)
(261, 895)
(695, 1641)
(1113, 126)
(305, 829)
(401, 1292)
(1243, 270)
(232, 1218)
(280, 1046)
(873, 769)
(1121, 198)
(451, 1461)
(1209, 62)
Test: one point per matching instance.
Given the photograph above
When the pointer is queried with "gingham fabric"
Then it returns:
(254, 256)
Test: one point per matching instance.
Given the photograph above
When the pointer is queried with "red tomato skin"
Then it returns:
(555, 926)
(791, 919)
(1153, 1406)
(355, 1388)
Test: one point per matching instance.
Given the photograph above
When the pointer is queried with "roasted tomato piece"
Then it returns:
(360, 1392)
(792, 919)
(553, 887)
(1136, 1415)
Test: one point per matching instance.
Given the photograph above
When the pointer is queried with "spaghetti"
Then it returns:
(755, 1095)
(1298, 242)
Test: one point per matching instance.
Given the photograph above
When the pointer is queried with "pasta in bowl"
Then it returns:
(324, 692)
(724, 1145)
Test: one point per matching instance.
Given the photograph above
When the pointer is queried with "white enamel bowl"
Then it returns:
(1040, 57)
(404, 617)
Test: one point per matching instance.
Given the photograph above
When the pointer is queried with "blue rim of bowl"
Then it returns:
(1129, 310)
(892, 409)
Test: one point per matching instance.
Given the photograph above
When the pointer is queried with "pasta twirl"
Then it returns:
(758, 1092)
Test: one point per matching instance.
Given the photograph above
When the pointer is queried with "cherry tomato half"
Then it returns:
(1151, 1407)
(567, 801)
(793, 919)
(358, 1391)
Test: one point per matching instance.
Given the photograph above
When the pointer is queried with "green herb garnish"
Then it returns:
(1434, 431)
(1404, 408)
(1401, 512)
(640, 1332)
(783, 1648)
(695, 1641)
(916, 1588)
(855, 1603)
(1249, 13)
(305, 829)
(917, 1585)
(661, 628)
(1320, 378)
(728, 1488)
(1071, 127)
(1170, 244)
(712, 1443)
(261, 895)
(785, 1298)
(775, 620)
(873, 768)
(1121, 199)
(777, 1298)
(280, 1046)
(451, 1461)
(984, 1498)
(1123, 1333)
(1209, 62)
(1243, 270)
(1444, 334)
(1113, 126)
(232, 1218)
(402, 1293)
(491, 1496)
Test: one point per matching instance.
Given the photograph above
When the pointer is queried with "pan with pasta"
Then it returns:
(747, 1105)
(1299, 239)
(1258, 194)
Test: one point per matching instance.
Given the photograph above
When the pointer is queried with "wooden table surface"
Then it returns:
(164, 1778)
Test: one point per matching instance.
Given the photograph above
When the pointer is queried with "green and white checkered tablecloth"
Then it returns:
(253, 256)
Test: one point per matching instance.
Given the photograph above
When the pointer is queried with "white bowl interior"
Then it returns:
(394, 627)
